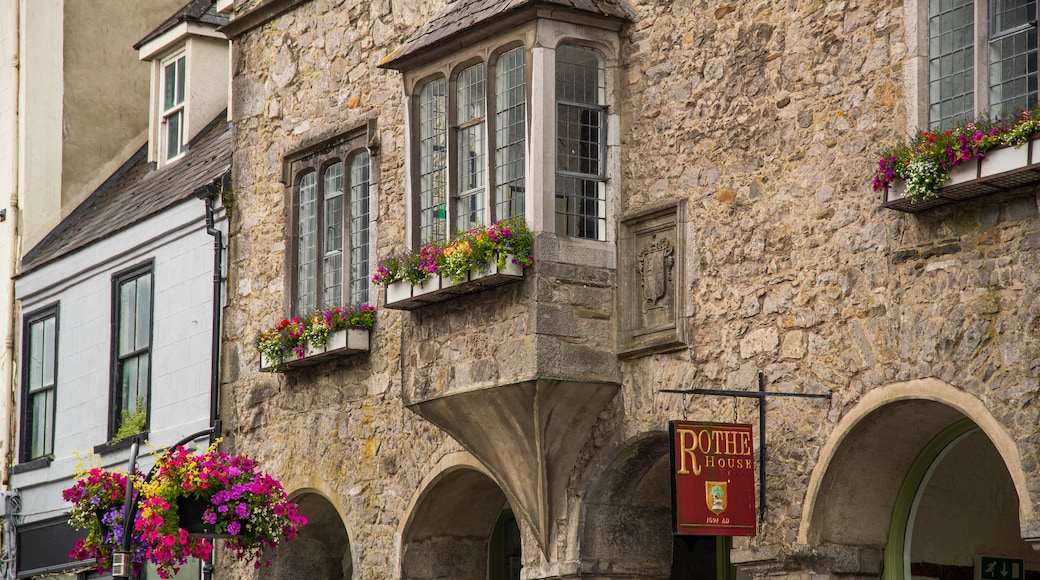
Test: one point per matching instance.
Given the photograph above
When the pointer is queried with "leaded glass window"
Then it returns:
(331, 227)
(580, 142)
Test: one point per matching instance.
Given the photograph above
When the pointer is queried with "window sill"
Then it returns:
(1002, 169)
(403, 296)
(38, 463)
(346, 342)
(124, 443)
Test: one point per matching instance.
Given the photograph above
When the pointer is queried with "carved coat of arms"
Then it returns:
(655, 266)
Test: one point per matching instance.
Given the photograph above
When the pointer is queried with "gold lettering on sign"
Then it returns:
(713, 445)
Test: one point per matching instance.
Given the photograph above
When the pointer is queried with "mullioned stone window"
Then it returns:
(972, 57)
(330, 223)
(509, 110)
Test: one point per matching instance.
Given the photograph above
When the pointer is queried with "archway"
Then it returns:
(321, 551)
(627, 521)
(916, 472)
(458, 518)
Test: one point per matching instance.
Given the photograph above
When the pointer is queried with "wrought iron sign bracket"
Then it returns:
(761, 394)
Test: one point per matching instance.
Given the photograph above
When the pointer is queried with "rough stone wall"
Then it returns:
(765, 117)
(339, 429)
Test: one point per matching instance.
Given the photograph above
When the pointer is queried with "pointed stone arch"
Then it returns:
(450, 522)
(626, 517)
(321, 551)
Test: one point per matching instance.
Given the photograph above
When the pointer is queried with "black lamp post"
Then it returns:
(122, 566)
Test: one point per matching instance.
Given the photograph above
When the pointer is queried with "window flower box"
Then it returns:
(327, 333)
(340, 343)
(401, 295)
(472, 261)
(979, 158)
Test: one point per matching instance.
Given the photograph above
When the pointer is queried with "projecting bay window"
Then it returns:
(331, 228)
(460, 183)
(581, 148)
(172, 131)
(998, 75)
(132, 351)
(39, 382)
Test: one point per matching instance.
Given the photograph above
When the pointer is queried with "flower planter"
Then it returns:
(441, 289)
(190, 510)
(340, 343)
(1002, 169)
(964, 172)
(397, 291)
(1005, 159)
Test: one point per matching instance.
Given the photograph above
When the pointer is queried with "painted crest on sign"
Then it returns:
(715, 495)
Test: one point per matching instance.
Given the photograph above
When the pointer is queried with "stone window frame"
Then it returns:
(540, 38)
(29, 392)
(120, 357)
(317, 159)
(916, 71)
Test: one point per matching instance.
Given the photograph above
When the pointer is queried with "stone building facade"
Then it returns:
(734, 234)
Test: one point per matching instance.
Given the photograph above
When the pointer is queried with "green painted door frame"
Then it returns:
(896, 558)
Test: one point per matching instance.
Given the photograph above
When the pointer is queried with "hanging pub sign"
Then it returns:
(713, 479)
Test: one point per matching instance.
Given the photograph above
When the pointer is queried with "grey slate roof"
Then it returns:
(134, 193)
(460, 15)
(204, 11)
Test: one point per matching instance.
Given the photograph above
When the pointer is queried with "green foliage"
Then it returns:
(134, 422)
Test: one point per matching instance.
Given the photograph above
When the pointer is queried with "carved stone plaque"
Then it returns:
(650, 282)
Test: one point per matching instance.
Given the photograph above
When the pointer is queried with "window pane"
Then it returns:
(134, 383)
(580, 208)
(359, 218)
(432, 161)
(951, 67)
(50, 343)
(580, 75)
(307, 249)
(174, 128)
(169, 86)
(1013, 70)
(510, 134)
(127, 314)
(143, 309)
(180, 80)
(580, 143)
(332, 261)
(472, 156)
(41, 427)
(578, 139)
(36, 356)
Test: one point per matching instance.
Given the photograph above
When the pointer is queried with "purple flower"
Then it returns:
(242, 510)
(233, 528)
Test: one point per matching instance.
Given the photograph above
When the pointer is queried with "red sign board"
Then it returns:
(713, 479)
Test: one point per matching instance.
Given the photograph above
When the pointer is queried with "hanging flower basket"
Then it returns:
(97, 499)
(188, 501)
(192, 511)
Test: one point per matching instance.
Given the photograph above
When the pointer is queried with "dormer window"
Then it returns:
(172, 126)
(511, 120)
(190, 78)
